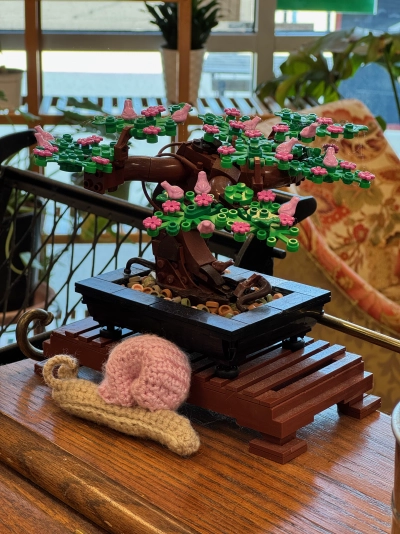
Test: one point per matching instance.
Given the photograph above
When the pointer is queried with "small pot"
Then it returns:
(170, 63)
(10, 85)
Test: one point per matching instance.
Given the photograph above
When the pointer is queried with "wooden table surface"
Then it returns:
(342, 484)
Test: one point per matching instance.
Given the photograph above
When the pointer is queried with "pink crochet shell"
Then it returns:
(146, 371)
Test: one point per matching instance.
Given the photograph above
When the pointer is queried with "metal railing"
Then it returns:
(54, 234)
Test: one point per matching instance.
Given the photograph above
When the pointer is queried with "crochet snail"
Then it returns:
(146, 378)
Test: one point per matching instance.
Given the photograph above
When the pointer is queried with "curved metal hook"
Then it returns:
(28, 350)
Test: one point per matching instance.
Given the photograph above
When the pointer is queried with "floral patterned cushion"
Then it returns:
(355, 233)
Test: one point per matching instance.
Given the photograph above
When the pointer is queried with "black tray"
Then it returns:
(112, 304)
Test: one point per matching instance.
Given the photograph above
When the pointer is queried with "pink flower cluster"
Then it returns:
(324, 120)
(152, 111)
(232, 112)
(86, 141)
(266, 196)
(240, 227)
(206, 227)
(253, 133)
(171, 206)
(226, 150)
(236, 125)
(366, 175)
(348, 165)
(319, 171)
(151, 130)
(280, 128)
(210, 129)
(152, 223)
(44, 153)
(335, 129)
(99, 159)
(283, 156)
(203, 200)
(285, 219)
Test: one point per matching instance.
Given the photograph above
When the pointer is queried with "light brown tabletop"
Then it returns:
(342, 484)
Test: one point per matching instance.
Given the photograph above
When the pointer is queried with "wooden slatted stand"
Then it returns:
(276, 393)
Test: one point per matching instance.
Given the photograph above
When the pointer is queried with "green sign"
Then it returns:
(367, 7)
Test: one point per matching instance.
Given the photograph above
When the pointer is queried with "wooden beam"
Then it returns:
(33, 47)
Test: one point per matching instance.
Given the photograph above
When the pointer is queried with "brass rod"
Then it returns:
(355, 330)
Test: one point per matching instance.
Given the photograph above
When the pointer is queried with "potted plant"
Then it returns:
(10, 88)
(309, 78)
(204, 18)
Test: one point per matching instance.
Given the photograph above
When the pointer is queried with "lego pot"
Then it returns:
(170, 63)
(10, 88)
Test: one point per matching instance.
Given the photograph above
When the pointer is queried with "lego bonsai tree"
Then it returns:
(221, 181)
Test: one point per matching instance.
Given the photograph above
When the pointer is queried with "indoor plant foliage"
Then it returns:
(10, 88)
(308, 78)
(204, 18)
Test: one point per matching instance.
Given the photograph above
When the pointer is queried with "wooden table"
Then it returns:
(341, 485)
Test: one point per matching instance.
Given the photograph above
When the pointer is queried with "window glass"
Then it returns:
(15, 15)
(122, 15)
(117, 74)
(227, 74)
(304, 21)
(236, 16)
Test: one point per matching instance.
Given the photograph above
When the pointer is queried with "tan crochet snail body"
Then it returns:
(81, 397)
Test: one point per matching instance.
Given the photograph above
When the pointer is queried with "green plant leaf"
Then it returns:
(283, 88)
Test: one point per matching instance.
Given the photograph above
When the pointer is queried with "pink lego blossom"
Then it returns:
(45, 153)
(181, 114)
(151, 130)
(319, 171)
(309, 131)
(50, 147)
(348, 165)
(173, 191)
(287, 146)
(202, 185)
(152, 223)
(226, 150)
(324, 120)
(280, 128)
(236, 125)
(203, 200)
(283, 156)
(285, 219)
(171, 206)
(99, 159)
(252, 123)
(151, 111)
(91, 140)
(46, 135)
(160, 108)
(330, 158)
(128, 112)
(210, 129)
(366, 175)
(289, 208)
(240, 227)
(206, 227)
(266, 196)
(331, 145)
(335, 129)
(253, 133)
(232, 112)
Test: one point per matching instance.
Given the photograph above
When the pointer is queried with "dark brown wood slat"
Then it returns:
(306, 388)
(284, 360)
(294, 371)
